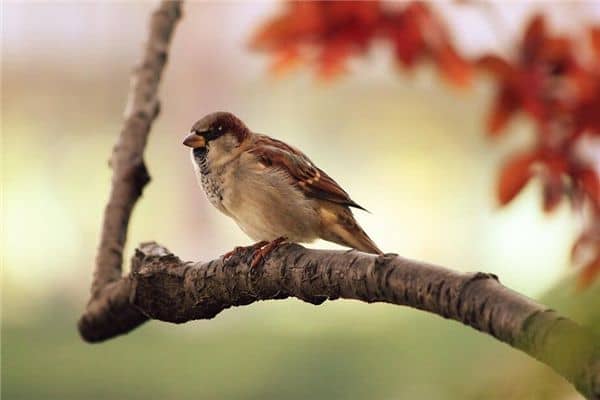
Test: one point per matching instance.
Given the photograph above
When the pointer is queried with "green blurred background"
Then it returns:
(408, 147)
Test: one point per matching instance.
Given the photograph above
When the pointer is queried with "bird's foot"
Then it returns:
(263, 251)
(239, 249)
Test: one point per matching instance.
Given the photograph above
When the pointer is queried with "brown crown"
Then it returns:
(227, 120)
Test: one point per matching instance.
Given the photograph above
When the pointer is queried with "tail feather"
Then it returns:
(359, 240)
(340, 227)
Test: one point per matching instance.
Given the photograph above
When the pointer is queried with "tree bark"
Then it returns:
(163, 287)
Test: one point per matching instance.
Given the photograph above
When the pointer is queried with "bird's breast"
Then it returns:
(266, 205)
(213, 188)
(263, 201)
(211, 180)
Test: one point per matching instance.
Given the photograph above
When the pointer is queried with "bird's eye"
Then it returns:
(220, 128)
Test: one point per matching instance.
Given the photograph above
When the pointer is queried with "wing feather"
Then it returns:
(313, 181)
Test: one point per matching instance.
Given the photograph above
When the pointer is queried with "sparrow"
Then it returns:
(272, 190)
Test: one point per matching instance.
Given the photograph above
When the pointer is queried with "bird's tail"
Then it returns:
(359, 240)
(346, 231)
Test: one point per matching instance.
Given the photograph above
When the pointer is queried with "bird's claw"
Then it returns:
(265, 250)
(239, 249)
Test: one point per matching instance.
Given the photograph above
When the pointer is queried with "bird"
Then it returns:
(272, 190)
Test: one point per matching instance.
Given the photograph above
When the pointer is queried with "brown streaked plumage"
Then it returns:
(313, 181)
(270, 188)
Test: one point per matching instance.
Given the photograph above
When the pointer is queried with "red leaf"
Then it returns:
(587, 115)
(531, 93)
(298, 22)
(496, 66)
(595, 40)
(556, 50)
(556, 163)
(506, 104)
(285, 60)
(583, 243)
(352, 12)
(332, 59)
(552, 193)
(587, 246)
(535, 35)
(590, 182)
(556, 167)
(514, 176)
(455, 68)
(408, 40)
(586, 84)
(588, 274)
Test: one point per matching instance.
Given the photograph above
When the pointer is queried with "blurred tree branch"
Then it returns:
(163, 287)
(129, 171)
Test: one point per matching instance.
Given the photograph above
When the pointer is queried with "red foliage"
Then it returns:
(561, 94)
(547, 80)
(328, 33)
(586, 252)
(514, 176)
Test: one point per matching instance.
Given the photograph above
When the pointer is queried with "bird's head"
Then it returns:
(217, 133)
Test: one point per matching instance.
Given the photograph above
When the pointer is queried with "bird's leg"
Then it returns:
(265, 250)
(239, 249)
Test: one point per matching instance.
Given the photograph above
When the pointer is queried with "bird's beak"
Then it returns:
(194, 141)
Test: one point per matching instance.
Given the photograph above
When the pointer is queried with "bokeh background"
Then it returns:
(407, 146)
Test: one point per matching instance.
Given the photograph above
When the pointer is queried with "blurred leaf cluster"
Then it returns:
(327, 33)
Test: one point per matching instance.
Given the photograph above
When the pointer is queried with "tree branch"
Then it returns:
(163, 287)
(129, 171)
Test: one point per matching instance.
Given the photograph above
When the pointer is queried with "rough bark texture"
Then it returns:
(163, 287)
(129, 171)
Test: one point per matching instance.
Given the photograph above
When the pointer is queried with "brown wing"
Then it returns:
(313, 181)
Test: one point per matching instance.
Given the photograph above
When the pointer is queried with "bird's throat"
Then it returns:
(200, 154)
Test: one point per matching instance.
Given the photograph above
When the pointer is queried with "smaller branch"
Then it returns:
(130, 175)
(163, 287)
(129, 171)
